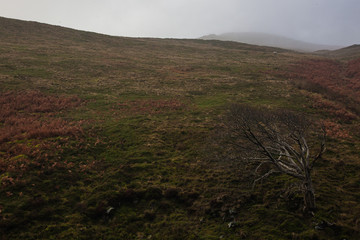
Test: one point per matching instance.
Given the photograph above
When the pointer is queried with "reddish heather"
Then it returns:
(337, 110)
(337, 82)
(335, 130)
(342, 79)
(29, 116)
(353, 71)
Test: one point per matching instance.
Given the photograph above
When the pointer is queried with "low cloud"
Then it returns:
(318, 21)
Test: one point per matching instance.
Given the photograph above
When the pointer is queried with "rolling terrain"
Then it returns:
(271, 40)
(351, 52)
(111, 138)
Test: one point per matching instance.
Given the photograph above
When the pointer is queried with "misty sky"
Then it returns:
(319, 21)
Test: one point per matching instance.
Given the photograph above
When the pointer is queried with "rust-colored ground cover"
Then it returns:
(333, 87)
(31, 114)
(27, 120)
(342, 79)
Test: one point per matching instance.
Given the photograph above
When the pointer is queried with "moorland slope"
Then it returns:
(272, 40)
(107, 137)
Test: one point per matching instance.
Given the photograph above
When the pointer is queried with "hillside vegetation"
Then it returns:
(347, 53)
(113, 138)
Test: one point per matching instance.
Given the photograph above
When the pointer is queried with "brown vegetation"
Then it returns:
(30, 114)
(335, 109)
(339, 81)
(353, 71)
(335, 130)
(27, 119)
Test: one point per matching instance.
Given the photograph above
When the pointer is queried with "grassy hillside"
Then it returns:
(346, 53)
(110, 138)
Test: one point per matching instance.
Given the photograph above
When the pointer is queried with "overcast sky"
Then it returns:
(319, 21)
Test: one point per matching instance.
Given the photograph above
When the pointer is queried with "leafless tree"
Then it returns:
(276, 141)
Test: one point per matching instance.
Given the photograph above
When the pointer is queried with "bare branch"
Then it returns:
(261, 164)
(322, 148)
(272, 171)
(277, 138)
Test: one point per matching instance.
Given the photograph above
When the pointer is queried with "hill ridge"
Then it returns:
(272, 40)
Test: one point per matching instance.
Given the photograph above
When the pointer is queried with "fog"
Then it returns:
(332, 22)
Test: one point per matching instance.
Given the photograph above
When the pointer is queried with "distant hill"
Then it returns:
(32, 32)
(264, 39)
(26, 31)
(352, 51)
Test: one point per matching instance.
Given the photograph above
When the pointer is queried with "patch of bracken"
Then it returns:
(27, 122)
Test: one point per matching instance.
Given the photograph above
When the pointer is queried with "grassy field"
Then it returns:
(110, 138)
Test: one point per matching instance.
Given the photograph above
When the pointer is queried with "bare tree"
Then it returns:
(277, 139)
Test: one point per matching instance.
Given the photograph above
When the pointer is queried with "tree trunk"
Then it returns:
(309, 195)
